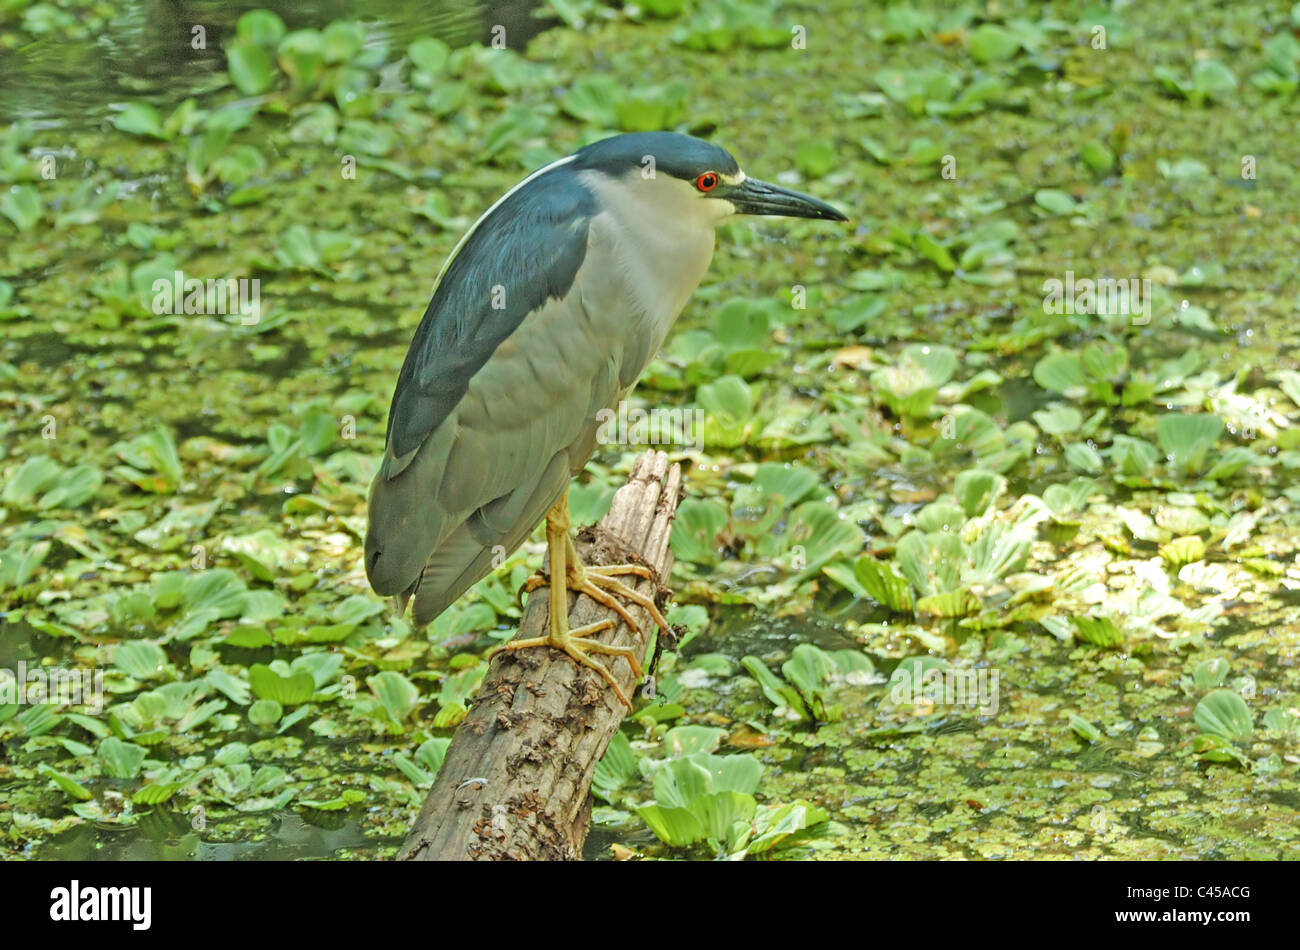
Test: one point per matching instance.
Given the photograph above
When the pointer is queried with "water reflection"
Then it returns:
(164, 835)
(147, 50)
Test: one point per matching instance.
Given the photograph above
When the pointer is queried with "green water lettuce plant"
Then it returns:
(1225, 723)
(729, 24)
(738, 344)
(700, 797)
(811, 675)
(940, 92)
(1280, 75)
(152, 463)
(41, 483)
(710, 798)
(1097, 373)
(1185, 448)
(910, 383)
(778, 517)
(947, 565)
(1209, 81)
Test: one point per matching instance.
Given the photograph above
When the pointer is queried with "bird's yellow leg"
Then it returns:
(575, 643)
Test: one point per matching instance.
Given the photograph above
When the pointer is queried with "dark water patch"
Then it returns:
(168, 835)
(740, 631)
(147, 50)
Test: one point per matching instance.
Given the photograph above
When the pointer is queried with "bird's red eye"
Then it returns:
(707, 182)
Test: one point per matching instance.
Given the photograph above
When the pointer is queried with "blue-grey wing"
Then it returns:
(525, 251)
(495, 393)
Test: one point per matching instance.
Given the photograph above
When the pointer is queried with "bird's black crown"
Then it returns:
(681, 156)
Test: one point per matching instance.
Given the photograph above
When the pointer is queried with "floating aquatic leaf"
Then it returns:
(814, 157)
(1209, 80)
(675, 826)
(779, 693)
(616, 769)
(884, 584)
(1132, 456)
(1231, 462)
(265, 712)
(593, 99)
(154, 465)
(696, 530)
(775, 824)
(342, 41)
(66, 783)
(687, 740)
(647, 108)
(1073, 496)
(260, 26)
(262, 553)
(232, 686)
(810, 669)
(941, 515)
(300, 56)
(784, 485)
(822, 534)
(121, 759)
(1283, 722)
(911, 382)
(1056, 201)
(429, 57)
(949, 604)
(1085, 729)
(728, 404)
(250, 68)
(140, 118)
(1098, 630)
(142, 659)
(1097, 157)
(1187, 438)
(1059, 420)
(978, 488)
(720, 811)
(1084, 458)
(990, 43)
(398, 695)
(1210, 673)
(1180, 551)
(288, 690)
(1224, 713)
(936, 253)
(36, 476)
(22, 205)
(349, 796)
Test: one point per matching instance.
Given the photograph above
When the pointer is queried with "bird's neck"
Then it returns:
(656, 241)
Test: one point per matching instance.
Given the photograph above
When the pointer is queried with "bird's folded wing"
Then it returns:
(489, 397)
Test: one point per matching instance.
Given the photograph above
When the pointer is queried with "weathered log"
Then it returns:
(515, 782)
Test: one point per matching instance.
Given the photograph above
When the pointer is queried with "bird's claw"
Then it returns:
(529, 585)
(602, 585)
(595, 581)
(577, 644)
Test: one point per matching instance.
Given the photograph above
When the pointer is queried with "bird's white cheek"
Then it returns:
(723, 212)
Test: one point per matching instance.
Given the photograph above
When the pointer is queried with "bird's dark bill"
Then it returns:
(752, 196)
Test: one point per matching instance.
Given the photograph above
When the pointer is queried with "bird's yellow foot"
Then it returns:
(602, 585)
(577, 645)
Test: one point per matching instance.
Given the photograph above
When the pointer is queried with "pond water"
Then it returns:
(924, 463)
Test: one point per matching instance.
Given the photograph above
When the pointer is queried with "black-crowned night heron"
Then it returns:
(546, 313)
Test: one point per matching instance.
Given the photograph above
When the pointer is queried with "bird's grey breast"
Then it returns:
(646, 254)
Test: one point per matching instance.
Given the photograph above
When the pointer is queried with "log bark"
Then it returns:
(515, 782)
